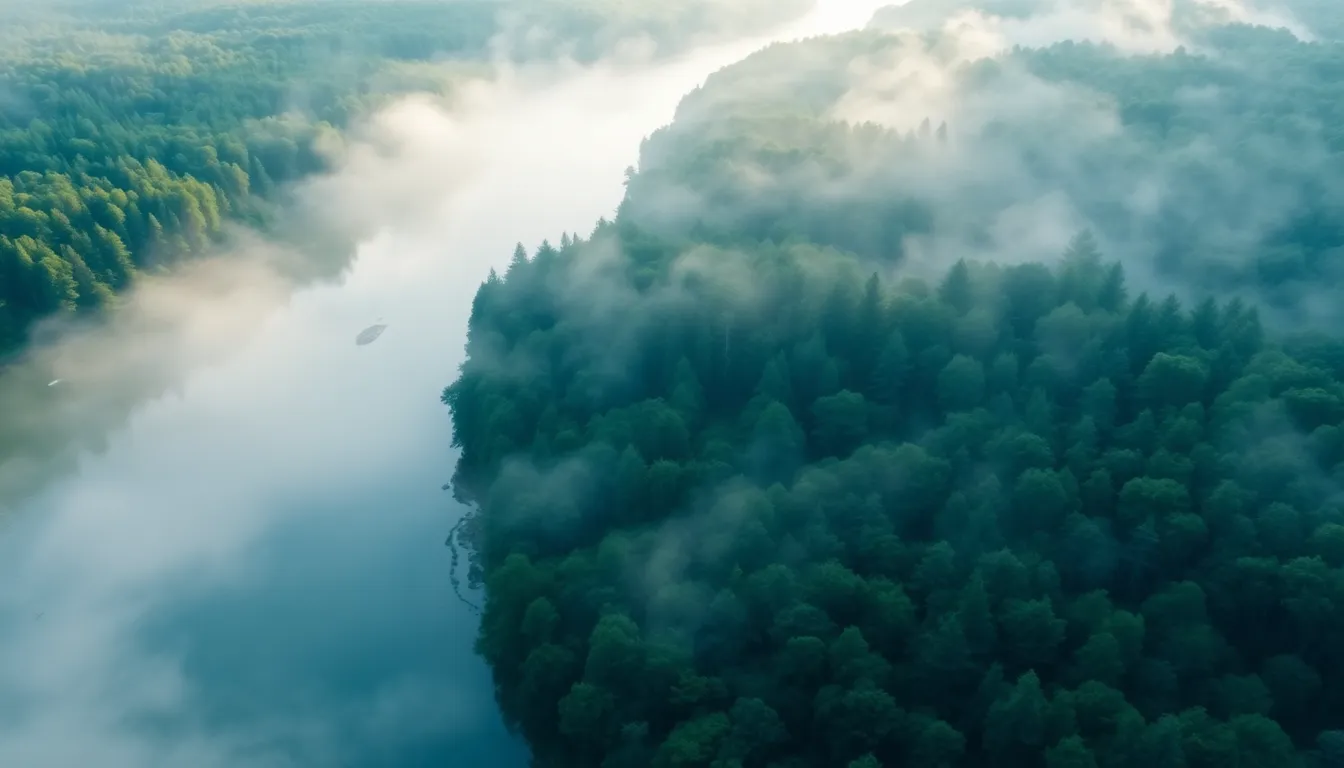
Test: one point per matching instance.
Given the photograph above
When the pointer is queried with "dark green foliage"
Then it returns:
(1134, 564)
(771, 503)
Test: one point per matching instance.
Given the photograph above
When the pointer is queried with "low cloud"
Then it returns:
(1133, 26)
(970, 148)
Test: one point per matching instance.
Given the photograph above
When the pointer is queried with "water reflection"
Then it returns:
(253, 572)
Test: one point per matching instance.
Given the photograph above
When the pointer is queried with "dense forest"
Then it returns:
(132, 133)
(806, 459)
(1320, 18)
(1214, 171)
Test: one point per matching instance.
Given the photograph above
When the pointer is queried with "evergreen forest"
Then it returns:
(991, 414)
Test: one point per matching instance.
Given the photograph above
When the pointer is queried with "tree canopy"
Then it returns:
(133, 132)
(760, 484)
(1209, 168)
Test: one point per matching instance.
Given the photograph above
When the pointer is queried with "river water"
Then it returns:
(253, 572)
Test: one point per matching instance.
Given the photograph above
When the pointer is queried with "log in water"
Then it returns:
(370, 334)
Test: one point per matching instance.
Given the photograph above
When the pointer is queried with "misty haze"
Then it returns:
(721, 383)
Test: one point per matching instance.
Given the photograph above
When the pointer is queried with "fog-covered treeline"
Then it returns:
(924, 409)
(132, 133)
(1320, 19)
(1212, 169)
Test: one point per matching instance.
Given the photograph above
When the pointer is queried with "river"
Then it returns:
(252, 572)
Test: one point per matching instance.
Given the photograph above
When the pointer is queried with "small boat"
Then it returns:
(370, 334)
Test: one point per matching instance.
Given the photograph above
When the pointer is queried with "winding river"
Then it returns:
(252, 573)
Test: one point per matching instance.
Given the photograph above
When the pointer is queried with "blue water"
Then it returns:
(382, 627)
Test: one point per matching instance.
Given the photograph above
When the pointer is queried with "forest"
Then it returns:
(1214, 172)
(808, 458)
(134, 133)
(1321, 18)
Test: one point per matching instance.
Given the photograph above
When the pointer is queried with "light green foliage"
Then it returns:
(132, 132)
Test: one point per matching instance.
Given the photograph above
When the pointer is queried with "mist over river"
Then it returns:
(253, 573)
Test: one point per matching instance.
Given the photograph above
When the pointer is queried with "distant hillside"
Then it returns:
(1324, 19)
